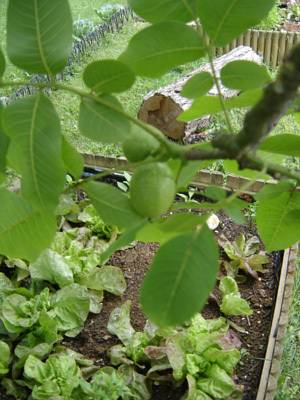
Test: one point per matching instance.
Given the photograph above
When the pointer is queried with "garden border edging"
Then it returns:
(271, 368)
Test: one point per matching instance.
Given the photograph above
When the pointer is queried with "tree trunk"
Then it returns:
(161, 108)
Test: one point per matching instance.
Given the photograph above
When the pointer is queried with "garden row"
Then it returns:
(66, 333)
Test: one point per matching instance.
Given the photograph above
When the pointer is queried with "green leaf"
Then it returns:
(165, 229)
(228, 286)
(234, 305)
(198, 85)
(36, 369)
(226, 359)
(108, 76)
(126, 238)
(18, 313)
(218, 383)
(160, 47)
(271, 191)
(180, 279)
(224, 20)
(101, 123)
(119, 323)
(24, 231)
(73, 161)
(234, 211)
(4, 358)
(211, 105)
(108, 278)
(215, 193)
(232, 167)
(278, 221)
(53, 268)
(35, 148)
(39, 35)
(4, 143)
(111, 204)
(70, 308)
(165, 10)
(2, 64)
(245, 75)
(285, 144)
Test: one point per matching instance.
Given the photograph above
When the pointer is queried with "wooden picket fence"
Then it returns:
(271, 45)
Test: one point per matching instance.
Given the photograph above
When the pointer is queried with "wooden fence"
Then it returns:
(271, 45)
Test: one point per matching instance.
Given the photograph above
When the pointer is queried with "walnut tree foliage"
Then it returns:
(39, 40)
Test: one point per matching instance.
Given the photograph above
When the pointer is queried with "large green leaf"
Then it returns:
(165, 229)
(285, 144)
(211, 105)
(4, 142)
(70, 308)
(126, 238)
(101, 123)
(24, 232)
(52, 267)
(198, 85)
(245, 75)
(224, 20)
(232, 167)
(35, 148)
(111, 204)
(39, 34)
(180, 279)
(72, 160)
(165, 10)
(278, 220)
(2, 64)
(160, 47)
(108, 278)
(108, 76)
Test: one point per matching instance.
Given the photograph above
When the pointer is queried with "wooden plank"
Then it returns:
(248, 37)
(268, 47)
(254, 40)
(282, 47)
(271, 370)
(261, 43)
(202, 178)
(274, 49)
(261, 394)
(289, 42)
(240, 40)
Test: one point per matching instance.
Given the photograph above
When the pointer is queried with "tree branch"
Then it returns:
(258, 123)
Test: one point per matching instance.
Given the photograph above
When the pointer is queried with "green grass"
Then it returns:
(289, 383)
(80, 9)
(111, 47)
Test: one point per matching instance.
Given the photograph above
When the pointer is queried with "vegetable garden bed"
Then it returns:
(246, 322)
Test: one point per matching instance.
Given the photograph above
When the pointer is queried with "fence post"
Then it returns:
(274, 50)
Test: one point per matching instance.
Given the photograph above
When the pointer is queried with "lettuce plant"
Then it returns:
(197, 352)
(232, 302)
(73, 259)
(4, 358)
(244, 255)
(61, 377)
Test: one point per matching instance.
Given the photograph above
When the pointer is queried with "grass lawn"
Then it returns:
(68, 105)
(289, 384)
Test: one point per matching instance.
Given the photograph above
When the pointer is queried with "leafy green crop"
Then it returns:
(244, 255)
(4, 358)
(67, 278)
(193, 352)
(232, 303)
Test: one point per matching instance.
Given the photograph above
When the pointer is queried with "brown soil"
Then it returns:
(95, 340)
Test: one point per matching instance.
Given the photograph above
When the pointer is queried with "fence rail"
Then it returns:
(271, 45)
